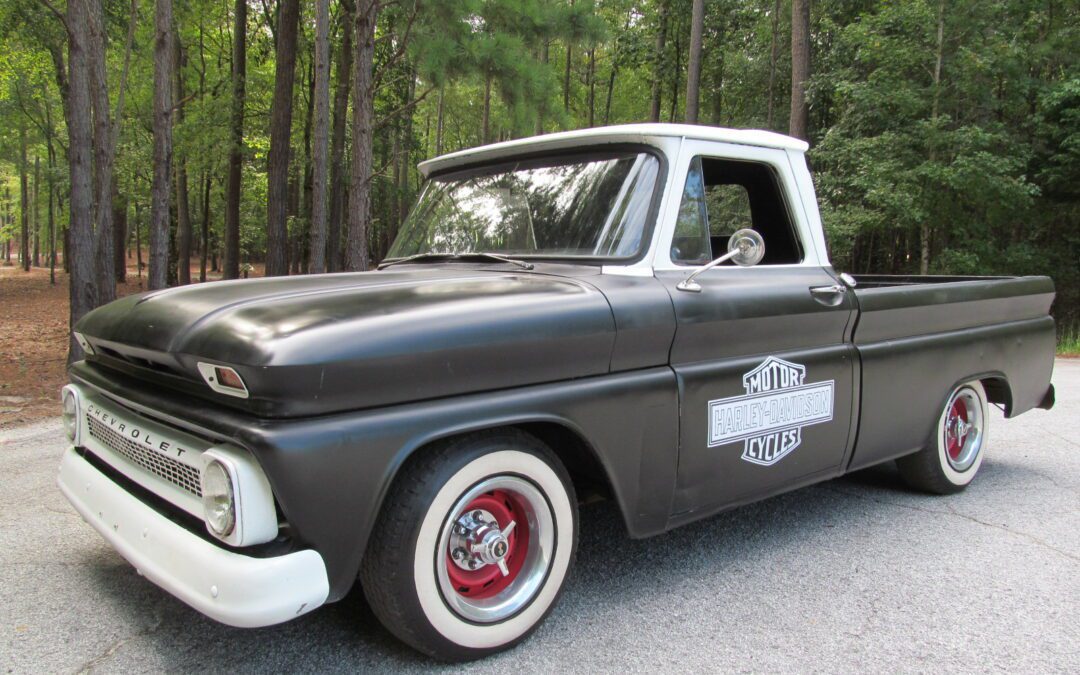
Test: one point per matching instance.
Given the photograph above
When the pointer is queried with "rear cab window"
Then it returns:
(723, 195)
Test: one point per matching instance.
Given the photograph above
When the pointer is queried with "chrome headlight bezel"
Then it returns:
(254, 512)
(71, 416)
(219, 499)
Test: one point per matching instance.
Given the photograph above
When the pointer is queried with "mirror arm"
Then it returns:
(688, 284)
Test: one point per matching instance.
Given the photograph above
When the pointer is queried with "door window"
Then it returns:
(722, 196)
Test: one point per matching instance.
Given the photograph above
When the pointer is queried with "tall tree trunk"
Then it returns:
(800, 67)
(103, 153)
(277, 179)
(24, 201)
(485, 125)
(439, 121)
(342, 77)
(35, 222)
(774, 49)
(321, 143)
(356, 245)
(566, 77)
(658, 66)
(205, 245)
(138, 241)
(183, 213)
(162, 112)
(675, 83)
(545, 57)
(925, 231)
(404, 197)
(693, 75)
(236, 146)
(592, 87)
(302, 237)
(79, 251)
(120, 224)
(51, 213)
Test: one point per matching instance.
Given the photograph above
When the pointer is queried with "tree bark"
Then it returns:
(35, 221)
(592, 87)
(103, 153)
(205, 245)
(320, 144)
(800, 67)
(162, 112)
(404, 197)
(337, 144)
(51, 181)
(439, 121)
(693, 75)
(925, 231)
(79, 250)
(774, 55)
(485, 126)
(356, 248)
(24, 202)
(120, 207)
(658, 66)
(566, 77)
(277, 179)
(183, 212)
(231, 263)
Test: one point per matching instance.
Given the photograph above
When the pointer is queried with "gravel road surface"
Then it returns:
(853, 574)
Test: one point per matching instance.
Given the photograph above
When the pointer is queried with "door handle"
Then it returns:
(830, 296)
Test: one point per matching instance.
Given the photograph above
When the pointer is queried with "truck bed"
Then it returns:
(916, 335)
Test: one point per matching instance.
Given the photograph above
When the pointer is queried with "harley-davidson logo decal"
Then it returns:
(770, 417)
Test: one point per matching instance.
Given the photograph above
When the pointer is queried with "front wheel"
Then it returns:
(949, 463)
(473, 545)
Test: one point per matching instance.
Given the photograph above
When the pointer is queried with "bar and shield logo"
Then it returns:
(770, 417)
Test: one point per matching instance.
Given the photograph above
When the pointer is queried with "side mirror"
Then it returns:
(746, 248)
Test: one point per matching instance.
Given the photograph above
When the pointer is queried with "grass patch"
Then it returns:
(1069, 342)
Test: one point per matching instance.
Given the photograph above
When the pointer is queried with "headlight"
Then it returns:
(219, 505)
(71, 413)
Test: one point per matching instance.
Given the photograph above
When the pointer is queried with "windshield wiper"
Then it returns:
(458, 256)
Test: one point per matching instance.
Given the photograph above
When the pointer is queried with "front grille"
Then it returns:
(183, 476)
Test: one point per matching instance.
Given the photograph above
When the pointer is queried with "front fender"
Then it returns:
(331, 473)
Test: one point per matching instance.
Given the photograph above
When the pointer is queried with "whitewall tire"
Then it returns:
(950, 461)
(473, 545)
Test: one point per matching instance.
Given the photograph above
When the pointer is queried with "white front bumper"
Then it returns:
(231, 588)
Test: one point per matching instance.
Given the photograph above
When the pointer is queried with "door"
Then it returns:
(764, 368)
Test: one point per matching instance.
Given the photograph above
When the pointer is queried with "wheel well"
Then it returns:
(998, 391)
(587, 473)
(590, 478)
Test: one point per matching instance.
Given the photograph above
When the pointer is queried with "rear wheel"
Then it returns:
(472, 546)
(949, 463)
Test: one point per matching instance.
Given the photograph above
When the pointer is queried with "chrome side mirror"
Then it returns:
(746, 248)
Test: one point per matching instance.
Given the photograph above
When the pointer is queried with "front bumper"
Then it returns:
(234, 589)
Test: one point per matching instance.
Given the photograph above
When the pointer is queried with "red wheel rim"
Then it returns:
(954, 440)
(488, 580)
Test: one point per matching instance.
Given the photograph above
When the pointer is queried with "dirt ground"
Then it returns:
(33, 339)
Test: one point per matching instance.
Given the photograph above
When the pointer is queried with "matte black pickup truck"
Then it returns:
(645, 313)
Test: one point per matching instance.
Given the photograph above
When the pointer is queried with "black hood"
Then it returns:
(325, 343)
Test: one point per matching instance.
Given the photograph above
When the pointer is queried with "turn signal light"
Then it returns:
(223, 380)
(227, 377)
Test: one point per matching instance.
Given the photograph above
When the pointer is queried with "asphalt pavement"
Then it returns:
(856, 574)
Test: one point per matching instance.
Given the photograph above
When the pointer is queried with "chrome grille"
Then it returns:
(183, 476)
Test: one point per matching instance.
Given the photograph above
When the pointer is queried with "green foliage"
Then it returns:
(985, 161)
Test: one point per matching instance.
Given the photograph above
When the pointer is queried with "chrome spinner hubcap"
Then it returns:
(478, 540)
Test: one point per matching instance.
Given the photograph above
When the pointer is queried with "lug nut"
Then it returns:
(458, 553)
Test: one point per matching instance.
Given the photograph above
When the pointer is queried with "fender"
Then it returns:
(334, 469)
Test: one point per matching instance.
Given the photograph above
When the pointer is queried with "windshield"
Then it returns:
(594, 206)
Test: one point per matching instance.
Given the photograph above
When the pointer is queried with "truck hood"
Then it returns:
(324, 343)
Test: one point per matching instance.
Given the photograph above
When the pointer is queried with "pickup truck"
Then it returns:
(644, 313)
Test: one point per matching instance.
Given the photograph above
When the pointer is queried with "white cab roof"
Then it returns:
(615, 134)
